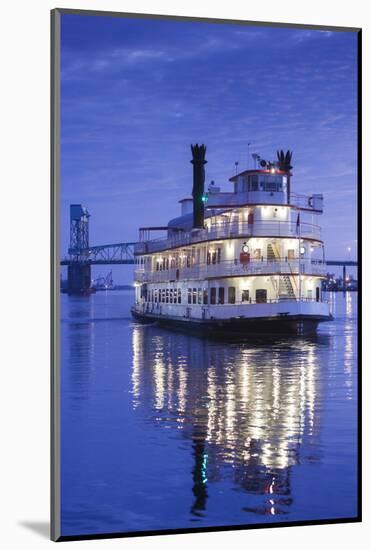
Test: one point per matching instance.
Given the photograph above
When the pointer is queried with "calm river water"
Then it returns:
(162, 430)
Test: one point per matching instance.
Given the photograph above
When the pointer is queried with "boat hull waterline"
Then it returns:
(239, 327)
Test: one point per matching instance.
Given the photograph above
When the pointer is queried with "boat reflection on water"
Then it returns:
(246, 408)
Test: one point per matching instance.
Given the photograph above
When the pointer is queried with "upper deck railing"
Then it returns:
(228, 199)
(228, 230)
(232, 268)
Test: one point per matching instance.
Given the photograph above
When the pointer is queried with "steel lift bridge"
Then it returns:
(81, 256)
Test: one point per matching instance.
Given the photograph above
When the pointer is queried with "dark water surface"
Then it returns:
(162, 430)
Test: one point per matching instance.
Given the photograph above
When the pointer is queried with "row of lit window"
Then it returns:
(201, 296)
(213, 257)
(265, 183)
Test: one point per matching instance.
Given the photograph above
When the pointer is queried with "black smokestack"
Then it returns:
(198, 161)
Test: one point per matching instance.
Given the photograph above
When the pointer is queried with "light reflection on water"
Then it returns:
(242, 407)
(214, 433)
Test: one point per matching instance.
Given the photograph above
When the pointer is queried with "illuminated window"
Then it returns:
(221, 295)
(205, 296)
(231, 295)
(245, 296)
(261, 295)
(213, 295)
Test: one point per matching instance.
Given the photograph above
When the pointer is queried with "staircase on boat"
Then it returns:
(285, 285)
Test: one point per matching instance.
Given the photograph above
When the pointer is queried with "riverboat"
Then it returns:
(247, 261)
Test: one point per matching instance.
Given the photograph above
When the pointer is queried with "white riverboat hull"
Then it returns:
(285, 317)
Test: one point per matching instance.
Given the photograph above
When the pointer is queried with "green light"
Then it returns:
(204, 198)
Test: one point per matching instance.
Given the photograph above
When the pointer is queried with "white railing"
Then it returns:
(232, 268)
(231, 230)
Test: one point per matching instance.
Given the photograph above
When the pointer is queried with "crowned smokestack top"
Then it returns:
(284, 164)
(198, 161)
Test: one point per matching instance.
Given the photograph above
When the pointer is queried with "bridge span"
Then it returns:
(81, 256)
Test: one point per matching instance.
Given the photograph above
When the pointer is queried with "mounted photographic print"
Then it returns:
(205, 286)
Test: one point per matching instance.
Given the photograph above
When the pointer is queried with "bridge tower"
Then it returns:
(79, 268)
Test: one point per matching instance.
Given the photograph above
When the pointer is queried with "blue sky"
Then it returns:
(136, 92)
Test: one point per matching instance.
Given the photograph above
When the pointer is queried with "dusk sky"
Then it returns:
(137, 92)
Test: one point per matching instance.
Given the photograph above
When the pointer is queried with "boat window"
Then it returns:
(212, 295)
(291, 254)
(219, 255)
(318, 294)
(231, 295)
(257, 254)
(194, 296)
(221, 295)
(261, 295)
(253, 183)
(310, 294)
(179, 296)
(171, 295)
(270, 183)
(245, 296)
(205, 296)
(156, 295)
(167, 296)
(189, 295)
(208, 257)
(199, 301)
